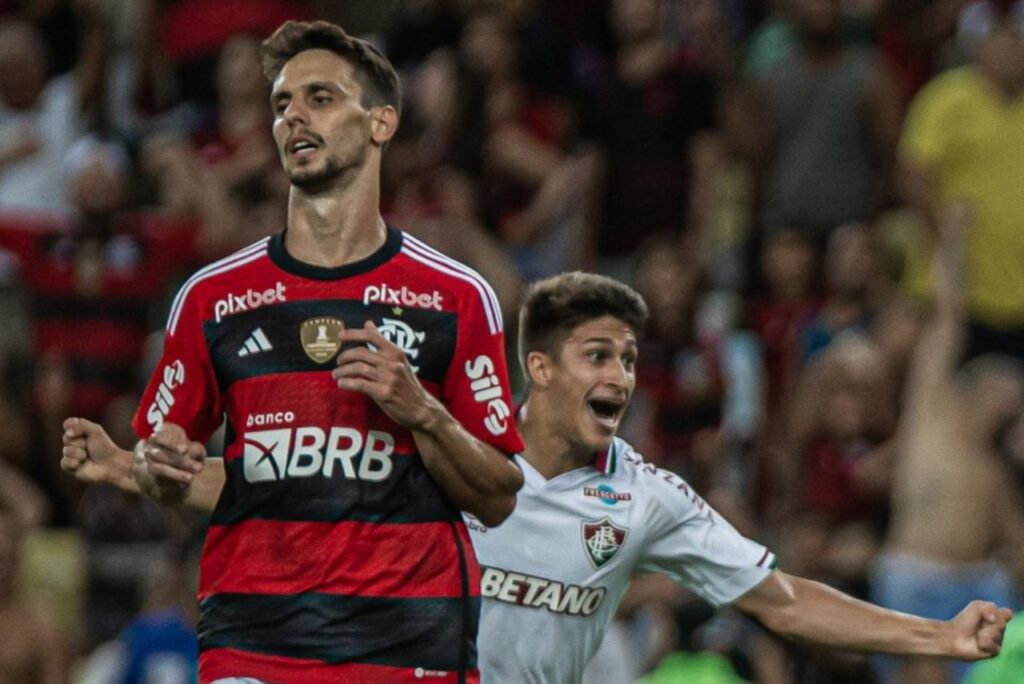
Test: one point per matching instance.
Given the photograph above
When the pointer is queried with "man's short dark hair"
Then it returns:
(372, 69)
(555, 306)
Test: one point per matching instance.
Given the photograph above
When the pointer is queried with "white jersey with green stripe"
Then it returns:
(555, 570)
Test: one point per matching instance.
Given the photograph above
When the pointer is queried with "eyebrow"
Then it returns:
(606, 340)
(312, 86)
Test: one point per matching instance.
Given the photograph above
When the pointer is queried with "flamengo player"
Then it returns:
(607, 514)
(362, 378)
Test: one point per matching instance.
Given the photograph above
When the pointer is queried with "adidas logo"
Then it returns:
(254, 344)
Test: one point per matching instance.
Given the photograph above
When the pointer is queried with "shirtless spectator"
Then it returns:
(950, 485)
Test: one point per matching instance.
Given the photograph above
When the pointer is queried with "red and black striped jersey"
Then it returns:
(332, 555)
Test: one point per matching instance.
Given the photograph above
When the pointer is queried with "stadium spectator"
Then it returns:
(834, 113)
(964, 142)
(644, 114)
(95, 275)
(681, 382)
(40, 117)
(953, 499)
(34, 651)
(853, 284)
(159, 644)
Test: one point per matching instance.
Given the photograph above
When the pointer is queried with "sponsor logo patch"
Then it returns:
(163, 400)
(401, 296)
(319, 337)
(538, 592)
(486, 389)
(602, 539)
(607, 494)
(274, 455)
(249, 300)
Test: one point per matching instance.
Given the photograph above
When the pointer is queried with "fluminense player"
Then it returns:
(592, 513)
(362, 378)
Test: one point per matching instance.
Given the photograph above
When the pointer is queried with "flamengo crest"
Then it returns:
(602, 540)
(320, 338)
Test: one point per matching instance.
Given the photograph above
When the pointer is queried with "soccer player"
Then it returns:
(592, 513)
(362, 378)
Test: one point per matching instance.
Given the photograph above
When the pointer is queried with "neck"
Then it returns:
(547, 448)
(336, 226)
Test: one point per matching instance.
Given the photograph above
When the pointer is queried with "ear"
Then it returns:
(539, 366)
(383, 124)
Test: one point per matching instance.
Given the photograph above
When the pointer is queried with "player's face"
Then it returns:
(321, 127)
(594, 377)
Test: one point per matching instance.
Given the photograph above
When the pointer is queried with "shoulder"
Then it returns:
(469, 290)
(211, 280)
(661, 490)
(950, 86)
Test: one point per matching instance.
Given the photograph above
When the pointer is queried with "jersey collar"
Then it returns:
(606, 461)
(285, 261)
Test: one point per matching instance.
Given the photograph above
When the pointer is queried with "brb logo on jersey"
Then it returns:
(602, 539)
(163, 400)
(382, 294)
(537, 592)
(486, 389)
(274, 455)
(252, 299)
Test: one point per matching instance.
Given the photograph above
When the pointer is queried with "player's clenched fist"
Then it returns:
(978, 630)
(88, 453)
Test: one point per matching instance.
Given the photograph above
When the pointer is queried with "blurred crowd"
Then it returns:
(821, 200)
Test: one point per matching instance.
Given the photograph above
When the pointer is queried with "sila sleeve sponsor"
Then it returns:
(183, 389)
(476, 388)
(694, 545)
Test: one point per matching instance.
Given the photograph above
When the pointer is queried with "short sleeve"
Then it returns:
(476, 388)
(183, 389)
(695, 546)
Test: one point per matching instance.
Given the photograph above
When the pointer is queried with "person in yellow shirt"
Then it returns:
(963, 143)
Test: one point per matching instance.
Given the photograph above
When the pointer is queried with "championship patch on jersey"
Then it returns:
(602, 539)
(319, 337)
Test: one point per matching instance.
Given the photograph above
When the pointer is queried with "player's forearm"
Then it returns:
(476, 477)
(813, 612)
(117, 471)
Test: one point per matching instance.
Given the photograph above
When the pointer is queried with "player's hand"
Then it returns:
(381, 371)
(171, 458)
(88, 453)
(978, 630)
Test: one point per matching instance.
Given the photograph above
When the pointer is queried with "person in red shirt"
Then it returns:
(362, 378)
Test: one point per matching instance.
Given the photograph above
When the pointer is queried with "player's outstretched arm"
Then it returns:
(89, 455)
(475, 476)
(809, 611)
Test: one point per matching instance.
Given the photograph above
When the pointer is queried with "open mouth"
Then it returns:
(301, 147)
(606, 411)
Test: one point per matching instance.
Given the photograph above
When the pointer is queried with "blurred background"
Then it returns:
(821, 200)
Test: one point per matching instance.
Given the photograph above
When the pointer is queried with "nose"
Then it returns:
(618, 375)
(295, 113)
